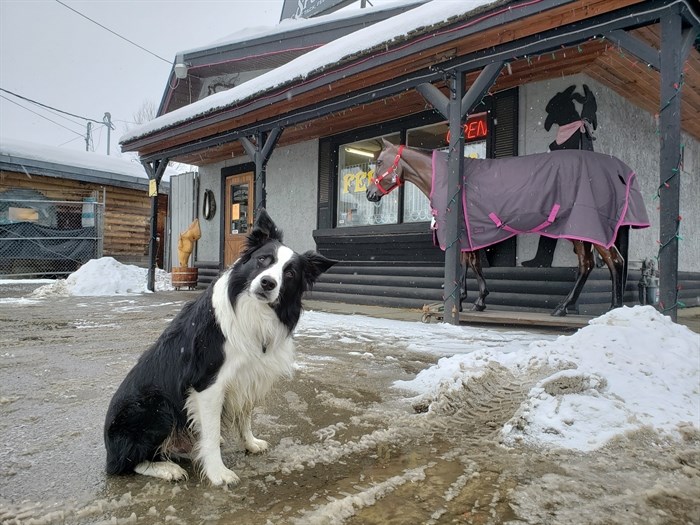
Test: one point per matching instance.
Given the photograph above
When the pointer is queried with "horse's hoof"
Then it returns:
(478, 308)
(559, 312)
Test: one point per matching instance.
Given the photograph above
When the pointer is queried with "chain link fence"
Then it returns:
(49, 237)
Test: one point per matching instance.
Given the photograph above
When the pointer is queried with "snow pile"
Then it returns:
(104, 277)
(630, 368)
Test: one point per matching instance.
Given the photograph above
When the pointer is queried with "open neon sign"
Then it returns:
(476, 128)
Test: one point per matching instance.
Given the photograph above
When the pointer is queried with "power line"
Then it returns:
(64, 117)
(114, 33)
(48, 107)
(71, 140)
(40, 115)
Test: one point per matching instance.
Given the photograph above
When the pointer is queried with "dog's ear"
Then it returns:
(314, 265)
(263, 230)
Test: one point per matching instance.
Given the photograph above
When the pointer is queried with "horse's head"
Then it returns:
(193, 231)
(388, 172)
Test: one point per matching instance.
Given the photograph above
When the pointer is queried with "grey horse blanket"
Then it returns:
(569, 194)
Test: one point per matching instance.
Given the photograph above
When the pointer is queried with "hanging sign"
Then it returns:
(152, 188)
(310, 8)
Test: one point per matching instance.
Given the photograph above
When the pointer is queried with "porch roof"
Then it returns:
(370, 75)
(39, 159)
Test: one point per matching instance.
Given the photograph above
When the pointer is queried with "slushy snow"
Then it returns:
(630, 368)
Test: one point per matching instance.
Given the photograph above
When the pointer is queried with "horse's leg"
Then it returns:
(622, 242)
(616, 264)
(584, 252)
(474, 260)
(463, 265)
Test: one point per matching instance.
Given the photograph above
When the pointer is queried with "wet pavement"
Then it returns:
(346, 447)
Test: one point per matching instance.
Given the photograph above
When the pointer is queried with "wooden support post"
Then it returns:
(669, 165)
(453, 214)
(155, 171)
(455, 108)
(260, 152)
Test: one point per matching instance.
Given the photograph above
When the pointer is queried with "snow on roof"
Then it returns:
(114, 168)
(380, 34)
(292, 24)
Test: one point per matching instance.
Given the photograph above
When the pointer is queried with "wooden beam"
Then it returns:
(435, 97)
(636, 47)
(480, 87)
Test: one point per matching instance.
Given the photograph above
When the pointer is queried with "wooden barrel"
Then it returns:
(184, 277)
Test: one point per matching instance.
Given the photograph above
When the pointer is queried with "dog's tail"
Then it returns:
(135, 430)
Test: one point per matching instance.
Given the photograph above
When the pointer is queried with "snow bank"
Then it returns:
(103, 277)
(628, 369)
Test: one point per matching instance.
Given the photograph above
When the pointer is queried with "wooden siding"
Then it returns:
(127, 211)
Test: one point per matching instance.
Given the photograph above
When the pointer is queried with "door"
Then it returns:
(238, 214)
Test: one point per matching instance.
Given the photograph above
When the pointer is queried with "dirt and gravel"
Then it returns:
(346, 447)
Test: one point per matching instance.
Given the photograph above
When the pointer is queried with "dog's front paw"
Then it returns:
(256, 446)
(222, 476)
(166, 470)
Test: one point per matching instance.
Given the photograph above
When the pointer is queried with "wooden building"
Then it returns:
(59, 208)
(288, 138)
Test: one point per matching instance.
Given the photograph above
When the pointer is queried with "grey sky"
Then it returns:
(52, 55)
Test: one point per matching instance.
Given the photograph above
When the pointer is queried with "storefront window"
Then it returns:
(355, 170)
(416, 207)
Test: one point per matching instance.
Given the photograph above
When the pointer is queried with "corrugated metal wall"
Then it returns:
(184, 204)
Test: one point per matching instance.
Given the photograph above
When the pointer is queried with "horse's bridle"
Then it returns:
(395, 180)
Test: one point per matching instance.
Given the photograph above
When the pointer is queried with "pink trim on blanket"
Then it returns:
(432, 179)
(550, 219)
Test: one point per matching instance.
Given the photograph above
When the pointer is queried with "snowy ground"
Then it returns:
(385, 422)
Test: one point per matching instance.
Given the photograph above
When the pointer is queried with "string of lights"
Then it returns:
(675, 237)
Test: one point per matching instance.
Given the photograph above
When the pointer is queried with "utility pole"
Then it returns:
(87, 136)
(107, 120)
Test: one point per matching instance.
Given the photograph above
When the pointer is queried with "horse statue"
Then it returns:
(581, 196)
(185, 243)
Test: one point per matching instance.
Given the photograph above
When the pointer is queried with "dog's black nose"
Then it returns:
(267, 283)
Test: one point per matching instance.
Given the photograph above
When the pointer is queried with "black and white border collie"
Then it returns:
(212, 364)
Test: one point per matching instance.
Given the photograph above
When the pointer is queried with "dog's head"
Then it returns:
(273, 273)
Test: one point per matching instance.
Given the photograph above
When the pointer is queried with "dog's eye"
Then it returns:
(264, 260)
(289, 274)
